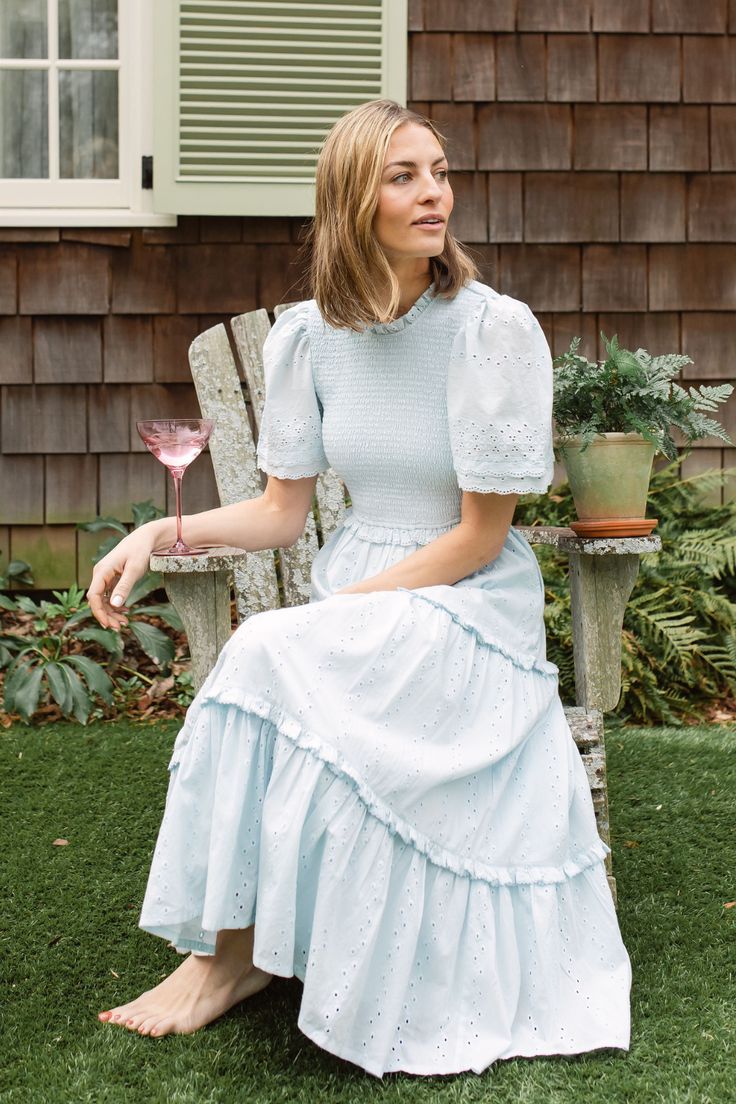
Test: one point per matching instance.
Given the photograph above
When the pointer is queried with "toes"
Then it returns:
(163, 1027)
(134, 1022)
(148, 1024)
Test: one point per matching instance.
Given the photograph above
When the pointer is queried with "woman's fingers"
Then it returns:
(99, 593)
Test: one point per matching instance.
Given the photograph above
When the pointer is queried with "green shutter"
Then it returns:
(245, 93)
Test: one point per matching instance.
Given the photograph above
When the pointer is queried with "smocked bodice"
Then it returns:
(454, 395)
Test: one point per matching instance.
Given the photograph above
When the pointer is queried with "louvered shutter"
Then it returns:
(247, 91)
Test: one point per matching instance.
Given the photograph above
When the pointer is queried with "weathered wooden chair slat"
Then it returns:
(602, 571)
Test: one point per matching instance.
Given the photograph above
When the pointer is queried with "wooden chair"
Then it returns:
(602, 571)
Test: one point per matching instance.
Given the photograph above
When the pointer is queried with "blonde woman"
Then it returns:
(378, 792)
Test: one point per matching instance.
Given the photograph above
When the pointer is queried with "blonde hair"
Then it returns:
(348, 270)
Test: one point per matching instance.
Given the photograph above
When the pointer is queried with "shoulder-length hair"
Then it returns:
(348, 270)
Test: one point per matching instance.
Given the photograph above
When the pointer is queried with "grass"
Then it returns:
(70, 943)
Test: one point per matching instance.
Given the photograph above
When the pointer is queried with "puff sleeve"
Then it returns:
(499, 401)
(290, 439)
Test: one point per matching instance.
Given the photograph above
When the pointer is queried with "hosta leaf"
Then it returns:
(25, 692)
(7, 603)
(60, 690)
(154, 643)
(110, 639)
(81, 701)
(145, 585)
(166, 612)
(27, 604)
(95, 676)
(103, 523)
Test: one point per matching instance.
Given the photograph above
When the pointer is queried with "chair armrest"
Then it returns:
(199, 589)
(220, 558)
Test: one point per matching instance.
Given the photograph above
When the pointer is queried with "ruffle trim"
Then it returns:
(292, 731)
(403, 535)
(494, 482)
(519, 659)
(291, 471)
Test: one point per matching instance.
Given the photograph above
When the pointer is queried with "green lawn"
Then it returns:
(70, 944)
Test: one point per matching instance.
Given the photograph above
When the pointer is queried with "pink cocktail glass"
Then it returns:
(176, 442)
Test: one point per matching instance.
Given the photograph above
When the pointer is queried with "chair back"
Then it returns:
(268, 580)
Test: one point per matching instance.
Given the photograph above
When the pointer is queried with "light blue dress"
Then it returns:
(386, 783)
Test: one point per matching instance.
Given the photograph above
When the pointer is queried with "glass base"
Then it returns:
(181, 549)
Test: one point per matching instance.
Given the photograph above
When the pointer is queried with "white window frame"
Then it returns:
(121, 202)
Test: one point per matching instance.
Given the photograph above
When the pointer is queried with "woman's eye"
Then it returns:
(400, 176)
(405, 176)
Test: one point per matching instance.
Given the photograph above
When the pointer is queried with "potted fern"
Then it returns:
(611, 418)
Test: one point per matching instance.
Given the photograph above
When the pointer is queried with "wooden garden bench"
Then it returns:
(602, 571)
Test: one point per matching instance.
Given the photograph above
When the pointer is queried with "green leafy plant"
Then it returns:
(679, 631)
(632, 392)
(45, 660)
(17, 571)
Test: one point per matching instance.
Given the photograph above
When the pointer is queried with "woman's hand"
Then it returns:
(114, 575)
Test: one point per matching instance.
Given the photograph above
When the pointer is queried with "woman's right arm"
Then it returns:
(275, 519)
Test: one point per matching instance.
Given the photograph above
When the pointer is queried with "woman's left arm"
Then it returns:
(474, 542)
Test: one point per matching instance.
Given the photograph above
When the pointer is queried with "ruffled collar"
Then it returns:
(406, 319)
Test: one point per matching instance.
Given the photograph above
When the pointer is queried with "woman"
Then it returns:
(378, 792)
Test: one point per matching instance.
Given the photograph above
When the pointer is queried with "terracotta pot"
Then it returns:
(609, 484)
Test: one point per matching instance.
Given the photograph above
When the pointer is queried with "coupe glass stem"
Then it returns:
(177, 474)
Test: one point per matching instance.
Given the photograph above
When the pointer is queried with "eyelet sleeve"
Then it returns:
(499, 401)
(290, 439)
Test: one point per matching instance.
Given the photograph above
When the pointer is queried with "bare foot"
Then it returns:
(197, 992)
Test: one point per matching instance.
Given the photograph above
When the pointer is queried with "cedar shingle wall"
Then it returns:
(593, 147)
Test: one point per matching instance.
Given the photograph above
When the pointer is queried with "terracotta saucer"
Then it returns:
(614, 527)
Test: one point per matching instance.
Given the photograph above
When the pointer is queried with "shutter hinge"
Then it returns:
(146, 172)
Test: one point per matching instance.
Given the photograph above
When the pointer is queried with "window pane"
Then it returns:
(24, 134)
(23, 29)
(88, 28)
(88, 124)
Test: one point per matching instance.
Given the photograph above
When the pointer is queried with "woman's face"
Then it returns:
(414, 186)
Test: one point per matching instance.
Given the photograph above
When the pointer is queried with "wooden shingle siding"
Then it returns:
(109, 418)
(653, 207)
(712, 208)
(16, 358)
(723, 139)
(8, 281)
(678, 138)
(571, 67)
(216, 278)
(67, 278)
(552, 15)
(621, 15)
(562, 207)
(128, 349)
(592, 148)
(639, 68)
(546, 275)
(143, 279)
(474, 67)
(44, 418)
(692, 277)
(71, 488)
(609, 136)
(524, 136)
(21, 480)
(614, 277)
(687, 17)
(469, 15)
(520, 67)
(710, 339)
(709, 69)
(67, 350)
